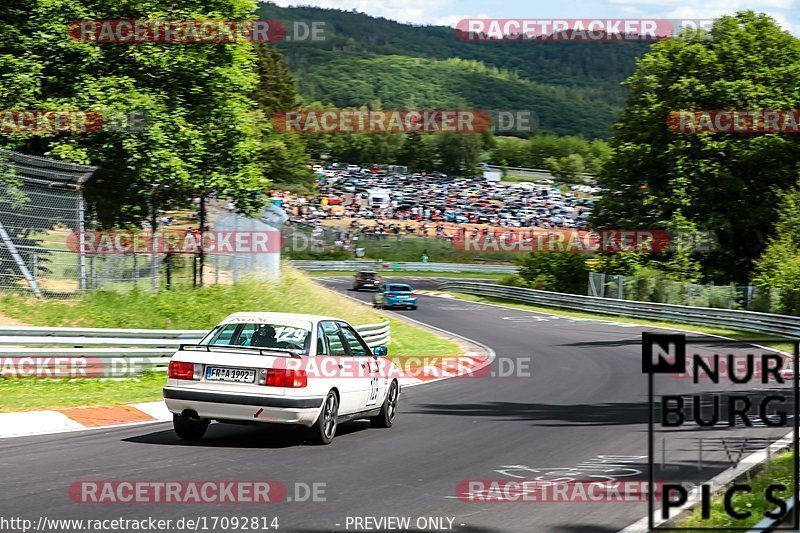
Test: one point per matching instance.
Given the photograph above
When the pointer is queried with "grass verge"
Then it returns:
(183, 308)
(36, 394)
(779, 470)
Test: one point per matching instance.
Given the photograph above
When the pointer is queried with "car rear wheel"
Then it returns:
(385, 418)
(324, 429)
(188, 429)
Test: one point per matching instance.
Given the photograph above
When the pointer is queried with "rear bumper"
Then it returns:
(243, 407)
(401, 303)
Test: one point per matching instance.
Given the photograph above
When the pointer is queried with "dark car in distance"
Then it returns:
(366, 279)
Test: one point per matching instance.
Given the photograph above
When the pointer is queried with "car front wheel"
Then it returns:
(188, 429)
(324, 429)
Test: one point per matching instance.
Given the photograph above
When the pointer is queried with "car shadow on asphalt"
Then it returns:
(594, 414)
(240, 436)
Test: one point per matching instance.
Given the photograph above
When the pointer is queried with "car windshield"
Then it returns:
(366, 274)
(399, 288)
(295, 338)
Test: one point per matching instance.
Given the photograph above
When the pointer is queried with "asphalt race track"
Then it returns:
(584, 398)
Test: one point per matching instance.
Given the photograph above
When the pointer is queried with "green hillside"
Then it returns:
(574, 87)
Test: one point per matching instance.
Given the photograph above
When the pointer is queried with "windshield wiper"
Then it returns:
(261, 350)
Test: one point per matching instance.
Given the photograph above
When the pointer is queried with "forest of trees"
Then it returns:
(574, 88)
(734, 185)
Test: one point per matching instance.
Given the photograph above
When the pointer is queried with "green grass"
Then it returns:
(36, 394)
(186, 308)
(407, 273)
(779, 470)
(183, 308)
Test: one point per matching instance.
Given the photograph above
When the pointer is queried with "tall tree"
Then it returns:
(202, 128)
(283, 155)
(728, 183)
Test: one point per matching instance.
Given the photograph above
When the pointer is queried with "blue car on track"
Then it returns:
(395, 295)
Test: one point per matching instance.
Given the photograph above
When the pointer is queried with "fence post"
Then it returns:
(154, 268)
(81, 241)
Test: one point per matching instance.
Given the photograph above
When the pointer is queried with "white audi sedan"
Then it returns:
(281, 368)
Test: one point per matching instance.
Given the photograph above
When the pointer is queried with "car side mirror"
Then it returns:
(380, 351)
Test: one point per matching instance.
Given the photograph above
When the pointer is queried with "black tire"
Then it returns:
(385, 418)
(188, 429)
(324, 429)
(413, 307)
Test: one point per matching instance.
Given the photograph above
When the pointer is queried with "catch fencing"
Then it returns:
(773, 324)
(44, 220)
(114, 352)
(41, 203)
(682, 293)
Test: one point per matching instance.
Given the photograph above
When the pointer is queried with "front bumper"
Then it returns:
(243, 407)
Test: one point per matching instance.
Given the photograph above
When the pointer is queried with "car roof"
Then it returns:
(265, 316)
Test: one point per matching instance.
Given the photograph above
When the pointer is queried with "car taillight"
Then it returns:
(389, 294)
(184, 370)
(359, 279)
(283, 377)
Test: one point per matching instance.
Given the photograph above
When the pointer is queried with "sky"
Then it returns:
(449, 12)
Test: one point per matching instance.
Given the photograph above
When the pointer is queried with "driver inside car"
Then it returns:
(264, 337)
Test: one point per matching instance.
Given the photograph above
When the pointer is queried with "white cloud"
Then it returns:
(413, 11)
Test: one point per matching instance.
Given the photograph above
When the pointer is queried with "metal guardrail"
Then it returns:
(354, 266)
(118, 352)
(779, 325)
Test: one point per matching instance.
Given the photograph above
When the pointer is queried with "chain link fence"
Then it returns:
(682, 293)
(45, 224)
(41, 204)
